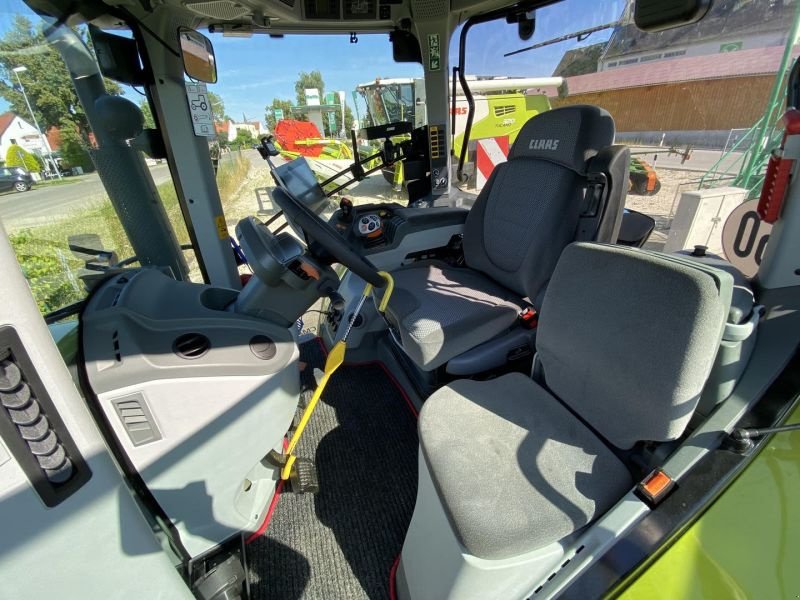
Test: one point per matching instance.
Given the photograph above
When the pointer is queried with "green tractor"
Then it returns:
(511, 401)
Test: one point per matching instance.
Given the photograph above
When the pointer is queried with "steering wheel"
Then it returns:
(326, 236)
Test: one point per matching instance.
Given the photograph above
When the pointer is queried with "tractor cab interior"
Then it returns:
(502, 387)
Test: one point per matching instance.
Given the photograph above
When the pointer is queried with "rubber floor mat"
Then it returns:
(342, 542)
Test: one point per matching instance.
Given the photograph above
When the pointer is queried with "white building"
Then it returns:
(226, 130)
(16, 130)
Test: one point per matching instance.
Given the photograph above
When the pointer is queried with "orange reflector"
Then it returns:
(652, 179)
(655, 486)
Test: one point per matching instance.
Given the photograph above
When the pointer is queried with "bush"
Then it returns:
(17, 156)
(244, 139)
(53, 271)
(44, 265)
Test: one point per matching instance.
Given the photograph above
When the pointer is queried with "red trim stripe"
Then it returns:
(393, 579)
(270, 511)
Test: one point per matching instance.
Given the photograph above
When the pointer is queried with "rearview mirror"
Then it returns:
(199, 61)
(657, 15)
(405, 47)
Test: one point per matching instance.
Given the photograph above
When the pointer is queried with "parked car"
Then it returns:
(15, 178)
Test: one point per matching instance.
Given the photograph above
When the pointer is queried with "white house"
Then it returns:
(226, 130)
(16, 130)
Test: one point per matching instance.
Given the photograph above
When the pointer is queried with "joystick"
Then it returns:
(346, 206)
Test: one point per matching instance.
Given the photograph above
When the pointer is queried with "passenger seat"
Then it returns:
(513, 470)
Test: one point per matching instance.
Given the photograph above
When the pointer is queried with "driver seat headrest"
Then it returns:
(568, 136)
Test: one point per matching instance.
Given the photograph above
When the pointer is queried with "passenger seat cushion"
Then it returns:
(627, 338)
(442, 311)
(514, 469)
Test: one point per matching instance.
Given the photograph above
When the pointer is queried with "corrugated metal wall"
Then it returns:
(712, 104)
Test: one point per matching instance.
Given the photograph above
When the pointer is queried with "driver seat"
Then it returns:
(563, 182)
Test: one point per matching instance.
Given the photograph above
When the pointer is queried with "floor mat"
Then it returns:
(341, 543)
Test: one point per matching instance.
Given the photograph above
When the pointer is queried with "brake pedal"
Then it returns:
(303, 478)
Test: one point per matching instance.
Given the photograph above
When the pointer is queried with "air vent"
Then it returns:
(191, 346)
(426, 10)
(501, 111)
(219, 9)
(32, 429)
(359, 9)
(137, 419)
(263, 347)
(115, 343)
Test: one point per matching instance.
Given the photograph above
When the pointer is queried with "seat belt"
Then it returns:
(300, 471)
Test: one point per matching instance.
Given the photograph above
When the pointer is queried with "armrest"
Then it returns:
(430, 218)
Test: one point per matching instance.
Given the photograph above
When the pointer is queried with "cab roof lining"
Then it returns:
(262, 16)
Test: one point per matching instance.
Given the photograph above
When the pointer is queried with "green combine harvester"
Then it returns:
(502, 106)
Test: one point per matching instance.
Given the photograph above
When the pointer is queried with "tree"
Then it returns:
(17, 156)
(217, 107)
(47, 81)
(73, 149)
(149, 121)
(244, 139)
(306, 81)
(269, 116)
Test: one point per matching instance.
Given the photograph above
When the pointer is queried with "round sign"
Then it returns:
(744, 238)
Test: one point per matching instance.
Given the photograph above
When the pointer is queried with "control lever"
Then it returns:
(267, 148)
(337, 302)
(346, 206)
(335, 308)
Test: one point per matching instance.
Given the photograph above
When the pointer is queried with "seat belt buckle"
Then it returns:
(529, 318)
(655, 487)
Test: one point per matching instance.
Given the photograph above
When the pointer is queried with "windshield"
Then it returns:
(389, 102)
(697, 105)
(54, 206)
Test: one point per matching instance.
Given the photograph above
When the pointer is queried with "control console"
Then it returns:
(370, 225)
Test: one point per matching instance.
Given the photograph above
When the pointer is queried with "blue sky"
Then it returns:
(255, 70)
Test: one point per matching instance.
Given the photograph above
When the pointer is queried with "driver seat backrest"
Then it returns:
(531, 208)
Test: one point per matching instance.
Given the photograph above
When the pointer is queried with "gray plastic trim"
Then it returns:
(492, 354)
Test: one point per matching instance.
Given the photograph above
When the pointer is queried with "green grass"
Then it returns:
(50, 266)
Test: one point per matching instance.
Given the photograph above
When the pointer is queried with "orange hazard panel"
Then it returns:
(652, 178)
(302, 137)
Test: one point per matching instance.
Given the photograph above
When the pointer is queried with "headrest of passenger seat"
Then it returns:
(568, 136)
(627, 338)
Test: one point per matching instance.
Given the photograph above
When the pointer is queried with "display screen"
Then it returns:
(298, 179)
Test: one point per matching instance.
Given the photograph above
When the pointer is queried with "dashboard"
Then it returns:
(375, 228)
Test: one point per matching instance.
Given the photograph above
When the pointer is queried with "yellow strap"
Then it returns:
(333, 362)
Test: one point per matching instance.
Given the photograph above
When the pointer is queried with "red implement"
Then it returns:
(302, 137)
